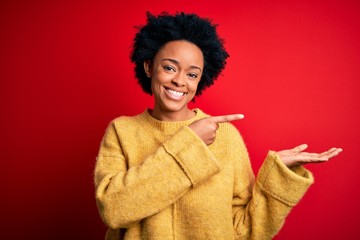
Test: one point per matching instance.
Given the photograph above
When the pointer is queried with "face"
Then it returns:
(175, 73)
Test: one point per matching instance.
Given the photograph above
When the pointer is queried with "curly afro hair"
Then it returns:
(164, 28)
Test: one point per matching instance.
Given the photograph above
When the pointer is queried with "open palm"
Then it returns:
(297, 156)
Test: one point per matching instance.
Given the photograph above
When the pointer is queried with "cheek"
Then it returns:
(157, 88)
(161, 78)
(154, 85)
(194, 85)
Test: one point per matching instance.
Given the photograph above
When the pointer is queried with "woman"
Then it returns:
(176, 173)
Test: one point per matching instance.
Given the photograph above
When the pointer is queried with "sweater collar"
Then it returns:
(170, 127)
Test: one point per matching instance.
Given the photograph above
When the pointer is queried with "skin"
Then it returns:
(178, 67)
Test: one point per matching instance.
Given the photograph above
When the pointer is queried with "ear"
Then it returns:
(148, 68)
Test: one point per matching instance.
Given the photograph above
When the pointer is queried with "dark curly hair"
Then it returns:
(165, 28)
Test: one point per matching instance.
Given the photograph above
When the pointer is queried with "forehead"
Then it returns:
(182, 51)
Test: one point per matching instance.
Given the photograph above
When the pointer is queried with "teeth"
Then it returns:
(175, 93)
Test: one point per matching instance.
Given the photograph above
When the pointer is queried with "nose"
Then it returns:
(179, 80)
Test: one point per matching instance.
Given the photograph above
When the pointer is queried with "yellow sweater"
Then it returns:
(158, 180)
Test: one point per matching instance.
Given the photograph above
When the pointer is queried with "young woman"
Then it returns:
(177, 173)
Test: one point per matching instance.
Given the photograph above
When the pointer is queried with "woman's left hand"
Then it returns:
(297, 156)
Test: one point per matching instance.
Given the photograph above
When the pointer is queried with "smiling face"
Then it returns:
(175, 73)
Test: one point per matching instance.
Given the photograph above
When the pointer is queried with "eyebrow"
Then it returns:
(176, 62)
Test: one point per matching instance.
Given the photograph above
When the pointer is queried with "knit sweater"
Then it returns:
(159, 180)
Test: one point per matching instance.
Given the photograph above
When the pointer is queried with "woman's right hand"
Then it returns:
(206, 128)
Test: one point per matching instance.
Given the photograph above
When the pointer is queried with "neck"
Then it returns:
(172, 116)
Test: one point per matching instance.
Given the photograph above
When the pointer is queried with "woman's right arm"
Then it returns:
(127, 195)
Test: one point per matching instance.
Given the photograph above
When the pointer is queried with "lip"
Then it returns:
(172, 96)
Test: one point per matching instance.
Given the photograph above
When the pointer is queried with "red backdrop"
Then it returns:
(65, 73)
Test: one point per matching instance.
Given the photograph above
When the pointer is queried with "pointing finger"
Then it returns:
(227, 118)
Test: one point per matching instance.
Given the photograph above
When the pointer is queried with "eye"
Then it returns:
(193, 75)
(169, 68)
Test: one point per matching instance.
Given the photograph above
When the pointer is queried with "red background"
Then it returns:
(65, 73)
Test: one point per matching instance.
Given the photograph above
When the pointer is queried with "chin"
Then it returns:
(172, 108)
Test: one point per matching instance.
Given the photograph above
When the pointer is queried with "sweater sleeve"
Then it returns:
(261, 205)
(127, 195)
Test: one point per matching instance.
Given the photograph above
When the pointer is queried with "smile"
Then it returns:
(174, 94)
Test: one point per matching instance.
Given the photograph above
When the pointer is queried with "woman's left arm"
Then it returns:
(261, 205)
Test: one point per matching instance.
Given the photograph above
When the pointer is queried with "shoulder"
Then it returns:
(127, 121)
(123, 124)
(229, 131)
(229, 134)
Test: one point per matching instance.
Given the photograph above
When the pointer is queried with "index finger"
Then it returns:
(227, 118)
